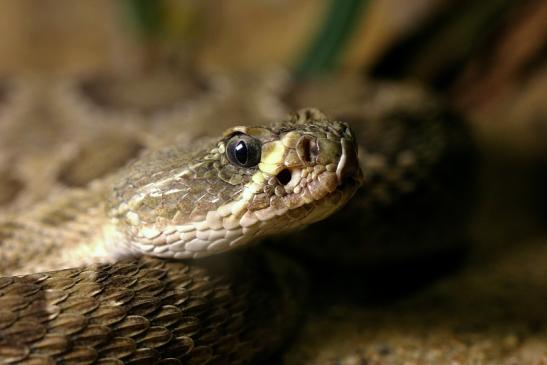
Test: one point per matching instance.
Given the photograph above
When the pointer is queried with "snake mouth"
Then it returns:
(325, 200)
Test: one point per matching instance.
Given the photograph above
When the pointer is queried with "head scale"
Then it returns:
(251, 182)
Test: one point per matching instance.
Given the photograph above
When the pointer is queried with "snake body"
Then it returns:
(185, 202)
(230, 311)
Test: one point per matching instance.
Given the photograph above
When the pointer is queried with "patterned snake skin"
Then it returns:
(232, 308)
(230, 311)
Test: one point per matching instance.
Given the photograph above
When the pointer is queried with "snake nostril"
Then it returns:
(306, 149)
(284, 176)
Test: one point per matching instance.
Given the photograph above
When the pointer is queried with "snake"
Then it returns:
(159, 262)
(128, 301)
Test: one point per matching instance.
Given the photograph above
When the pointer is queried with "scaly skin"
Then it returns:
(228, 309)
(413, 173)
(188, 204)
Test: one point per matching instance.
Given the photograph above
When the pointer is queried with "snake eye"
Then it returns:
(243, 150)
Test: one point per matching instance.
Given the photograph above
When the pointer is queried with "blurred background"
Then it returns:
(487, 59)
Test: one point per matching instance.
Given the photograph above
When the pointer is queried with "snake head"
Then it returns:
(298, 164)
(251, 182)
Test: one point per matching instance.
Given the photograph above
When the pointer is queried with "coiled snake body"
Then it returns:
(120, 306)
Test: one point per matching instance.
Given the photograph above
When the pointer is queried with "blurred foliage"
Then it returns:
(331, 37)
(147, 16)
(163, 18)
(166, 28)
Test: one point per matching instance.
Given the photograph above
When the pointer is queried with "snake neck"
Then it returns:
(69, 229)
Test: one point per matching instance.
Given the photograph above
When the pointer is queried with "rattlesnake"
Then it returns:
(230, 308)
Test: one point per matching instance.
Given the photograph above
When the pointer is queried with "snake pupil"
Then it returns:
(241, 152)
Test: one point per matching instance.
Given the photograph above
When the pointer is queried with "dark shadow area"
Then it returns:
(376, 286)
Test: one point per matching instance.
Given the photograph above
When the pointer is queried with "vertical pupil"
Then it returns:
(241, 152)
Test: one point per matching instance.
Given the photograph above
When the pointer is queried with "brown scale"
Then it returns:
(150, 311)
